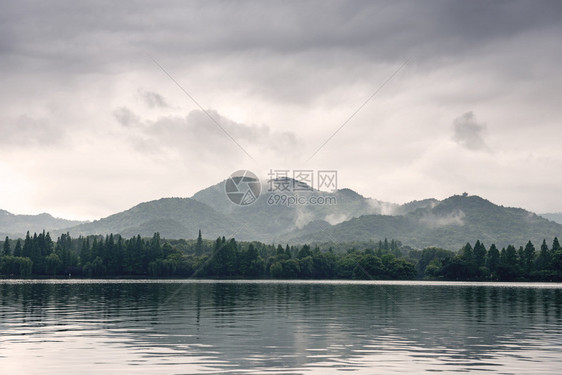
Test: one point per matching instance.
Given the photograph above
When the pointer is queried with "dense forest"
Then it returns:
(113, 256)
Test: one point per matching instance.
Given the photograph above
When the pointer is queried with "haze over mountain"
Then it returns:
(449, 223)
(273, 220)
(557, 217)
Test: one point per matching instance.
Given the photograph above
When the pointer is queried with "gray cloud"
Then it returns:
(93, 36)
(195, 135)
(469, 133)
(271, 50)
(282, 77)
(153, 99)
(126, 117)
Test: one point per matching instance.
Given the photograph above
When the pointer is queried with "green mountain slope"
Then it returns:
(274, 221)
(172, 217)
(448, 224)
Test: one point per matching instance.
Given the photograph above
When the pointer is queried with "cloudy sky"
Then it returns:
(91, 125)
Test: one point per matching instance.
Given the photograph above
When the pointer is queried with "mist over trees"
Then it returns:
(114, 256)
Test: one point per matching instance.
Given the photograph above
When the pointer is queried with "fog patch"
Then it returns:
(531, 217)
(435, 221)
(334, 219)
(382, 208)
(303, 217)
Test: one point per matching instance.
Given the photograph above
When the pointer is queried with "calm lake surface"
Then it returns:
(267, 327)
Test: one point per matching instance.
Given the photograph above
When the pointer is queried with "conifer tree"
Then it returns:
(18, 249)
(493, 258)
(555, 244)
(199, 244)
(529, 254)
(479, 254)
(6, 248)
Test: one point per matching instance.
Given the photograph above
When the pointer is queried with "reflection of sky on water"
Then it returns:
(208, 327)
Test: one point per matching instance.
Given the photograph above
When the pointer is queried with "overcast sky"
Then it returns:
(90, 125)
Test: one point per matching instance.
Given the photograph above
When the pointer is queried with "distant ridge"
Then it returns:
(448, 223)
(17, 225)
(556, 217)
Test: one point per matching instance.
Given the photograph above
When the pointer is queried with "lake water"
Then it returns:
(265, 327)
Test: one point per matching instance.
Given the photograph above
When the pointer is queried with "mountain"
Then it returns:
(556, 217)
(273, 219)
(449, 224)
(171, 217)
(17, 225)
(343, 216)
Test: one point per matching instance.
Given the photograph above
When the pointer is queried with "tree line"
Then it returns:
(114, 256)
(507, 264)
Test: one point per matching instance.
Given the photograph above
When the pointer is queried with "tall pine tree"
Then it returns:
(199, 244)
(543, 260)
(555, 244)
(493, 259)
(479, 254)
(529, 254)
(6, 248)
(18, 250)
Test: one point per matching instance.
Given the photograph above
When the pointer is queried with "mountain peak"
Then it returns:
(346, 192)
(470, 199)
(291, 183)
